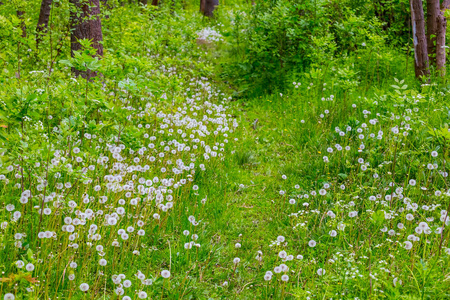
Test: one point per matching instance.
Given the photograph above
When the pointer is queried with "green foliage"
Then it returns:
(278, 40)
(331, 141)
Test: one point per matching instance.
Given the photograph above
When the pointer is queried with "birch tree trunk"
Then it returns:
(421, 63)
(440, 38)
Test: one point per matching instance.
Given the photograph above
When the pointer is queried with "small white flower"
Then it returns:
(29, 267)
(9, 296)
(408, 245)
(20, 264)
(165, 273)
(280, 238)
(84, 287)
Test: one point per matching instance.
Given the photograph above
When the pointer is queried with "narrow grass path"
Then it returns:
(244, 189)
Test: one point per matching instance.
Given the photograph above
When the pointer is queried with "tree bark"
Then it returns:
(421, 63)
(20, 14)
(207, 7)
(155, 2)
(86, 24)
(433, 12)
(44, 16)
(143, 2)
(440, 38)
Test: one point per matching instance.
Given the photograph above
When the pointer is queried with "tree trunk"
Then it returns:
(20, 14)
(421, 63)
(207, 7)
(143, 2)
(155, 2)
(440, 38)
(86, 24)
(44, 16)
(433, 12)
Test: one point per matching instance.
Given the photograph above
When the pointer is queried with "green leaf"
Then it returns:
(66, 62)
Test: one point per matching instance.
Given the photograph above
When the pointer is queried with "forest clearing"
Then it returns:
(264, 149)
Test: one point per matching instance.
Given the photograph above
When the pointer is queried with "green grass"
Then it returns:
(243, 207)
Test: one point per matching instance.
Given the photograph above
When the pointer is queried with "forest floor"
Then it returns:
(162, 181)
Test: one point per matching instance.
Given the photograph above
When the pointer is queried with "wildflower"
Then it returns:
(320, 272)
(20, 264)
(84, 287)
(127, 283)
(395, 280)
(352, 214)
(285, 278)
(408, 245)
(9, 296)
(29, 267)
(165, 273)
(312, 243)
(284, 268)
(423, 225)
(236, 260)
